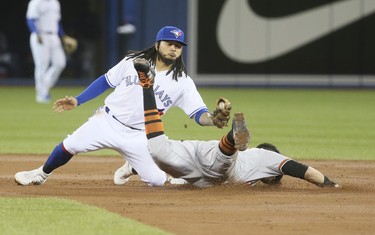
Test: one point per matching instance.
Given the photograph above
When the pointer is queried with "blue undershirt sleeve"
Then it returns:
(31, 25)
(199, 114)
(96, 88)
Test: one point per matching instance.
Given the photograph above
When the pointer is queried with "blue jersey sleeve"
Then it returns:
(31, 25)
(96, 88)
(61, 30)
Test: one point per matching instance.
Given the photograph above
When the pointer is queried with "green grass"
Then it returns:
(60, 216)
(29, 127)
(303, 123)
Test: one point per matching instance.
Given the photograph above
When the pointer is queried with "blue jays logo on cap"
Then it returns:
(177, 33)
(171, 33)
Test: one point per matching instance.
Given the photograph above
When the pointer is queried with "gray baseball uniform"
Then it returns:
(202, 164)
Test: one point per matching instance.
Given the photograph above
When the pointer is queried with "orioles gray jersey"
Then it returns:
(202, 164)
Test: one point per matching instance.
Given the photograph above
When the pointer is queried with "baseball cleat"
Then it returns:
(241, 133)
(122, 174)
(35, 177)
(145, 73)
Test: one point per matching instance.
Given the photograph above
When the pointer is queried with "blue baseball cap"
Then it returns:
(171, 33)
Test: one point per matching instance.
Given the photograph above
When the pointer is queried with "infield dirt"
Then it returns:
(295, 207)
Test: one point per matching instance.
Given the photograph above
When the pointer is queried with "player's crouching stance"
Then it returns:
(207, 163)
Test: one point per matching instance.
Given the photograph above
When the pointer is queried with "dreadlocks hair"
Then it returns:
(151, 54)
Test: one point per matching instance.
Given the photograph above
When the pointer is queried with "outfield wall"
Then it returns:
(282, 43)
(321, 43)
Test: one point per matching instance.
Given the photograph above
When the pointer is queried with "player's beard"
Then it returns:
(165, 60)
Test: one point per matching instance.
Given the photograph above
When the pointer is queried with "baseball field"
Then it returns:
(332, 130)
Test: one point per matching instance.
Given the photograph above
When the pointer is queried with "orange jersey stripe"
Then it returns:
(282, 164)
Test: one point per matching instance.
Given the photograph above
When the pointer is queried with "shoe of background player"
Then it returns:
(35, 177)
(145, 73)
(241, 133)
(126, 29)
(122, 174)
(43, 99)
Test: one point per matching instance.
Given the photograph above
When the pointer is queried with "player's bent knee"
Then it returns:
(59, 67)
(71, 149)
(158, 180)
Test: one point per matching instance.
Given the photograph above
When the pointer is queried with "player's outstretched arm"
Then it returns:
(314, 176)
(308, 173)
(66, 103)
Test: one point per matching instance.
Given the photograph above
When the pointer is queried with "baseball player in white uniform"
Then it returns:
(207, 163)
(44, 22)
(119, 124)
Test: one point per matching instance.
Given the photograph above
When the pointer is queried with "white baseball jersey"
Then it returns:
(126, 103)
(202, 164)
(47, 13)
(49, 56)
(120, 124)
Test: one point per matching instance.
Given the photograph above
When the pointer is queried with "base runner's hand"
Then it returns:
(66, 103)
